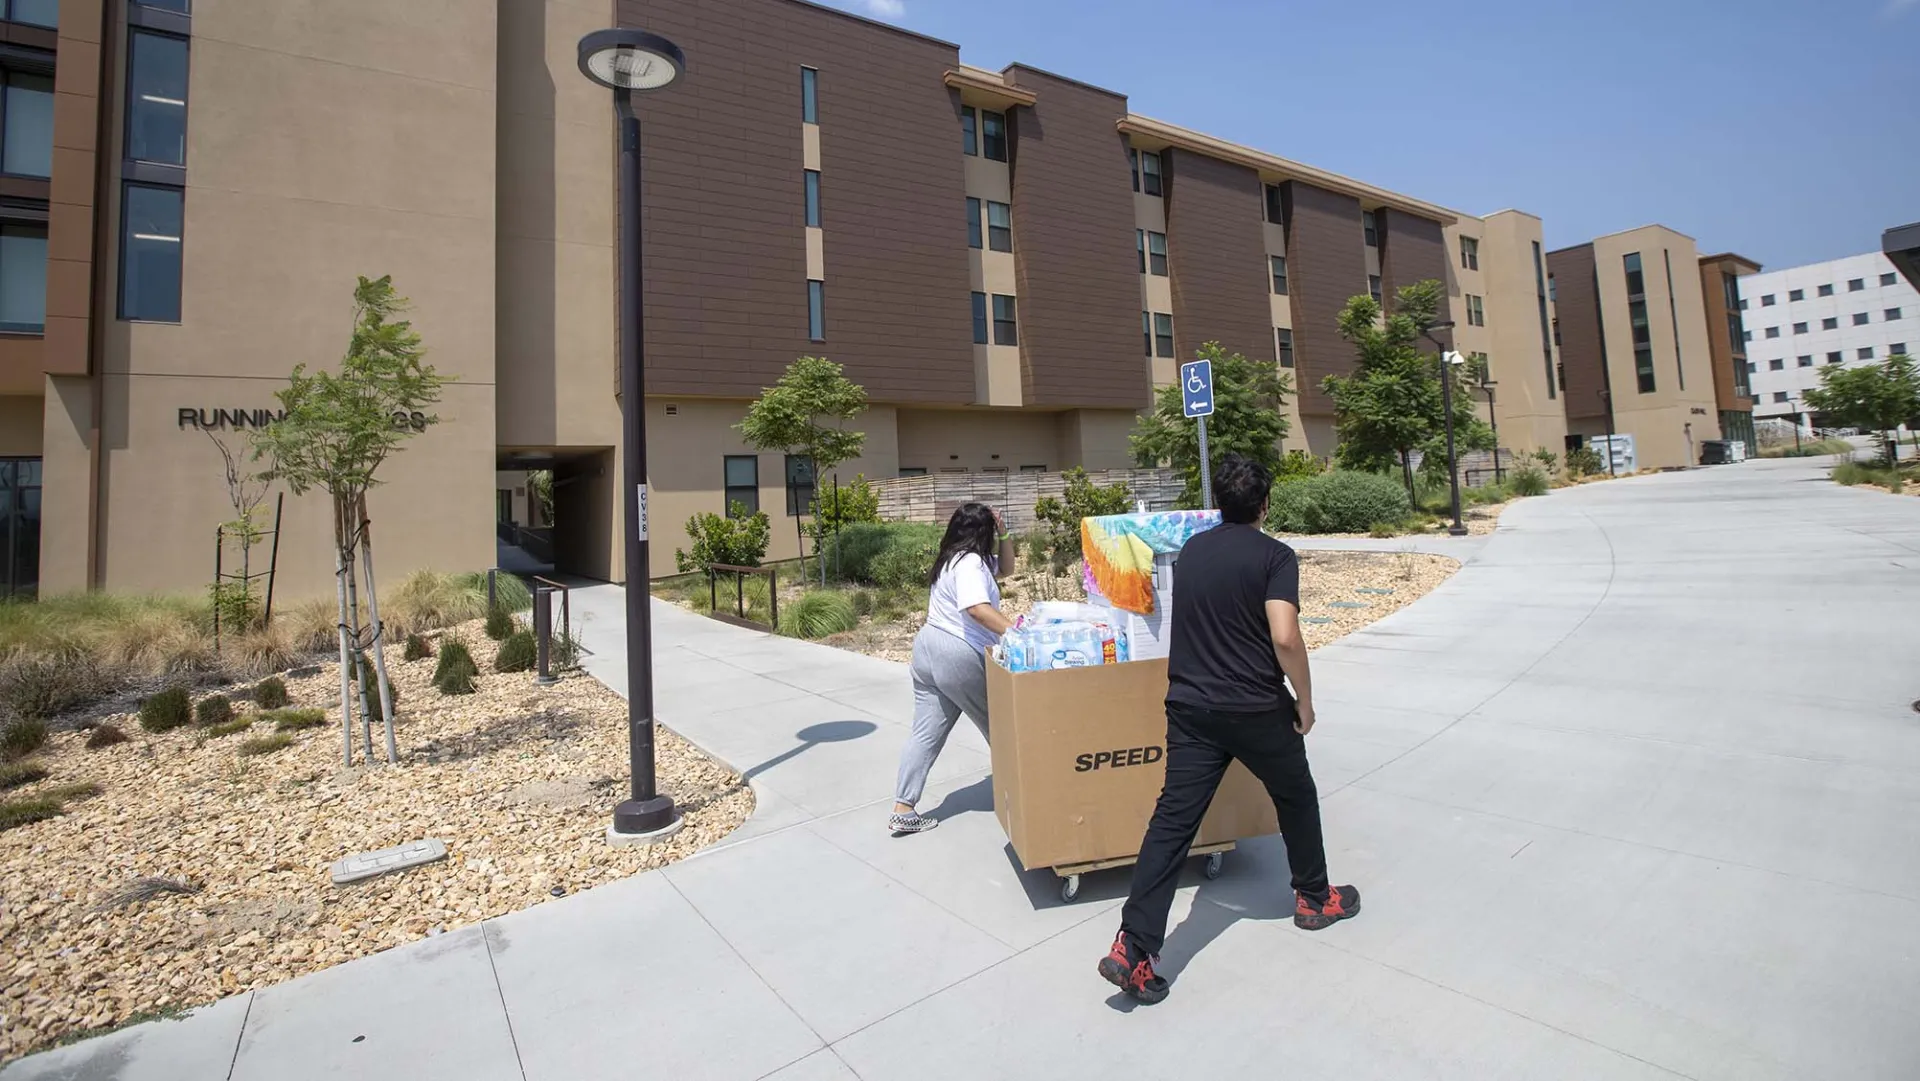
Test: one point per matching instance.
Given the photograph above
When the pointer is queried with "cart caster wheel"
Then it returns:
(1070, 888)
(1216, 863)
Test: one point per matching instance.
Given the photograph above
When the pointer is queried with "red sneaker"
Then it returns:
(1343, 902)
(1132, 972)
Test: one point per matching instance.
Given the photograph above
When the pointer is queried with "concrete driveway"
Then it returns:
(1633, 795)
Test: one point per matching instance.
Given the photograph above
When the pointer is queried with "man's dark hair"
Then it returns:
(1241, 486)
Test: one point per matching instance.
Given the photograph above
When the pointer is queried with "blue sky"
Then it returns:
(1786, 130)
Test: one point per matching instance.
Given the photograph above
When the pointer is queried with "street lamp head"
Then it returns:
(1446, 324)
(626, 59)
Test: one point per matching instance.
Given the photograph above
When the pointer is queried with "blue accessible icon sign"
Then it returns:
(1196, 388)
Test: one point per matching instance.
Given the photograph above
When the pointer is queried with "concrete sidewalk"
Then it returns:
(1631, 796)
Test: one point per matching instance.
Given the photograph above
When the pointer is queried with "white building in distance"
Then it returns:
(1851, 311)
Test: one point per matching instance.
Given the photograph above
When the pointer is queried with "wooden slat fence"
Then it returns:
(934, 498)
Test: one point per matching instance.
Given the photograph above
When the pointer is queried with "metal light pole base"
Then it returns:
(1457, 531)
(547, 680)
(644, 822)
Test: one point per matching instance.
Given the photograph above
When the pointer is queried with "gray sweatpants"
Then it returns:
(949, 678)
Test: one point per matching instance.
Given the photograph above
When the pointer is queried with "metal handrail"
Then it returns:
(739, 616)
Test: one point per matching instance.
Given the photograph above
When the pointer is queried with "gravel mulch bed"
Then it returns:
(518, 780)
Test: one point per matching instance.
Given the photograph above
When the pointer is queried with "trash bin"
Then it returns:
(1716, 452)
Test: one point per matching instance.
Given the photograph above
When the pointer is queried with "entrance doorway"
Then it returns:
(19, 528)
(554, 512)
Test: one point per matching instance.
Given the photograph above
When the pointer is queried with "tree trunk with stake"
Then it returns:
(346, 694)
(379, 633)
(351, 524)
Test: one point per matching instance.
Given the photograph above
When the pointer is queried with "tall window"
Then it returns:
(1283, 345)
(1371, 228)
(813, 197)
(999, 226)
(1373, 287)
(1146, 331)
(23, 279)
(817, 310)
(1276, 205)
(974, 239)
(1157, 254)
(19, 528)
(1150, 179)
(28, 124)
(1476, 311)
(799, 485)
(1469, 253)
(742, 476)
(1542, 287)
(969, 130)
(979, 318)
(1133, 162)
(1278, 264)
(39, 13)
(1642, 328)
(157, 93)
(809, 96)
(150, 253)
(1162, 334)
(1140, 242)
(1636, 281)
(1006, 323)
(993, 127)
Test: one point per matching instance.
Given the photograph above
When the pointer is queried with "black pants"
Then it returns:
(1200, 746)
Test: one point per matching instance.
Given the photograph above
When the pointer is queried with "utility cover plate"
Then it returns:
(388, 860)
(1316, 619)
(1347, 604)
(1375, 592)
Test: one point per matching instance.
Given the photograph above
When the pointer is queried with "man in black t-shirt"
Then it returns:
(1236, 643)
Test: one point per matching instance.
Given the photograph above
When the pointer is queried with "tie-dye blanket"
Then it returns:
(1120, 549)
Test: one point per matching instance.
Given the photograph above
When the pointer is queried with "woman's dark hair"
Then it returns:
(971, 531)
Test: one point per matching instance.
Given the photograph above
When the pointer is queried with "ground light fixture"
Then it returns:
(627, 62)
(1448, 357)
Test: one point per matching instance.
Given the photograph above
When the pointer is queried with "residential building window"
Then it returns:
(23, 279)
(1636, 282)
(1833, 357)
(813, 197)
(1866, 352)
(1829, 324)
(1283, 345)
(1776, 365)
(1133, 161)
(969, 130)
(1150, 179)
(1548, 335)
(999, 226)
(1854, 285)
(1766, 301)
(1805, 360)
(912, 471)
(19, 528)
(1859, 319)
(1733, 331)
(1897, 349)
(1673, 315)
(1476, 308)
(157, 98)
(150, 253)
(1826, 290)
(1373, 287)
(974, 239)
(1773, 332)
(1891, 314)
(28, 124)
(1276, 205)
(1162, 334)
(1796, 294)
(817, 310)
(993, 127)
(1469, 253)
(1886, 279)
(1779, 395)
(1370, 227)
(1642, 327)
(1157, 254)
(1278, 264)
(1752, 368)
(979, 318)
(1146, 331)
(1799, 328)
(1034, 468)
(36, 12)
(1743, 305)
(742, 485)
(809, 96)
(799, 485)
(1140, 244)
(1006, 325)
(1749, 336)
(180, 7)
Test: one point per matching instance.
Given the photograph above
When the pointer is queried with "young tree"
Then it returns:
(1249, 417)
(1878, 397)
(233, 601)
(806, 414)
(1392, 404)
(337, 432)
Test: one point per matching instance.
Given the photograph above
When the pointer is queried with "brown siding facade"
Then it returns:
(1582, 348)
(726, 269)
(1728, 350)
(1326, 267)
(1217, 257)
(1413, 249)
(1074, 253)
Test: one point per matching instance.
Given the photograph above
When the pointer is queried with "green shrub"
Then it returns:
(371, 679)
(1529, 480)
(500, 625)
(1298, 465)
(21, 737)
(904, 565)
(519, 653)
(237, 605)
(737, 539)
(71, 791)
(260, 745)
(21, 812)
(862, 602)
(213, 709)
(270, 693)
(167, 710)
(1584, 462)
(455, 672)
(1852, 473)
(1343, 501)
(104, 735)
(1547, 460)
(417, 648)
(1383, 530)
(15, 774)
(293, 720)
(43, 685)
(818, 614)
(1060, 518)
(852, 554)
(228, 728)
(844, 506)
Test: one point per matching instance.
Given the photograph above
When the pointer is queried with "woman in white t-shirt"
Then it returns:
(950, 654)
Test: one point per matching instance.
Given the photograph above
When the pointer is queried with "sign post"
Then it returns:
(1196, 400)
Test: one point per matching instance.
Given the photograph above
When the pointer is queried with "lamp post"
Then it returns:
(1606, 399)
(1796, 422)
(1493, 418)
(1446, 399)
(627, 61)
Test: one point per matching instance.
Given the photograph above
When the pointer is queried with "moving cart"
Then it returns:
(1070, 873)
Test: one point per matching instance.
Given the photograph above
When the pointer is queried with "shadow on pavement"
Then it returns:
(977, 796)
(812, 736)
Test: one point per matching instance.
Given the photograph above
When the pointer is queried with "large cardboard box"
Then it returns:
(1079, 758)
